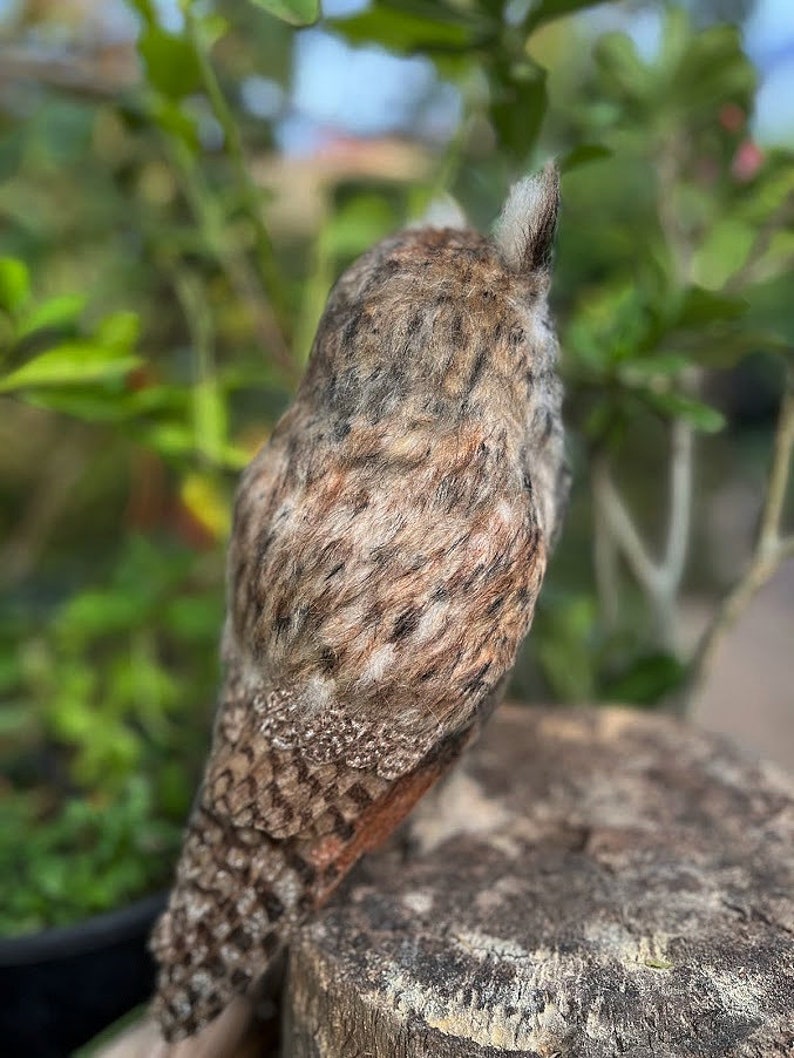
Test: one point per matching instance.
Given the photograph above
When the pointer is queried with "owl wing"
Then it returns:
(272, 836)
(389, 593)
(380, 622)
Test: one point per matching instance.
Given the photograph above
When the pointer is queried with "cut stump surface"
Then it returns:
(588, 884)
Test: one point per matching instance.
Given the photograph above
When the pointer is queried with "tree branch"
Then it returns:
(682, 438)
(605, 557)
(621, 525)
(780, 468)
(659, 580)
(769, 551)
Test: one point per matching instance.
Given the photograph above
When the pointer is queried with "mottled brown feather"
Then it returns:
(388, 547)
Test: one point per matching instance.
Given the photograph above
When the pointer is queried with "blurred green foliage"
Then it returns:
(103, 729)
(158, 297)
(88, 858)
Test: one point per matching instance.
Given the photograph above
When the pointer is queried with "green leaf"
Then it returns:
(622, 70)
(118, 331)
(518, 106)
(608, 422)
(644, 368)
(170, 61)
(68, 364)
(582, 155)
(403, 32)
(174, 121)
(770, 312)
(701, 306)
(209, 411)
(170, 439)
(646, 680)
(547, 10)
(296, 12)
(722, 252)
(725, 350)
(212, 27)
(86, 401)
(612, 324)
(14, 284)
(562, 642)
(712, 70)
(112, 401)
(675, 36)
(55, 312)
(771, 190)
(679, 406)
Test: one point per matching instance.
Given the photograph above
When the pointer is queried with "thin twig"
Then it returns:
(672, 566)
(682, 439)
(231, 133)
(209, 439)
(234, 263)
(605, 555)
(621, 525)
(770, 550)
(780, 468)
(659, 580)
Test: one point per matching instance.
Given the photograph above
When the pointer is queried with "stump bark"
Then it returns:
(589, 883)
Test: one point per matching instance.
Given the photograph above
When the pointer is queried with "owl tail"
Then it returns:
(240, 893)
(237, 894)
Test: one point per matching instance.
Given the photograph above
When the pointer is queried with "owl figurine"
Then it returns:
(389, 544)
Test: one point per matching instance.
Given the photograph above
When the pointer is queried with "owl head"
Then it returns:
(443, 321)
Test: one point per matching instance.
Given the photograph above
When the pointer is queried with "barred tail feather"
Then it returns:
(240, 893)
(237, 894)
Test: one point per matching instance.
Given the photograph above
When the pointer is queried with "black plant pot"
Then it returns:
(61, 987)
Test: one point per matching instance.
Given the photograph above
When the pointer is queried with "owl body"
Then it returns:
(389, 544)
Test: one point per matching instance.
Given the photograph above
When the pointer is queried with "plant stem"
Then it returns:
(250, 196)
(770, 550)
(234, 263)
(605, 552)
(620, 524)
(682, 439)
(660, 580)
(671, 570)
(780, 469)
(208, 425)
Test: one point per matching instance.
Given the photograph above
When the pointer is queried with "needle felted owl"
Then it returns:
(389, 544)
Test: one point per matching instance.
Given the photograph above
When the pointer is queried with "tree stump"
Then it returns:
(589, 883)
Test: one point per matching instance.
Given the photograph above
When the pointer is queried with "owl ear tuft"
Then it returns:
(525, 229)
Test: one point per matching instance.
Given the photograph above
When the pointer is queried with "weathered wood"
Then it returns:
(588, 884)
